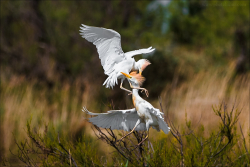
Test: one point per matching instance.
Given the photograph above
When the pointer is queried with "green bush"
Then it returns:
(191, 146)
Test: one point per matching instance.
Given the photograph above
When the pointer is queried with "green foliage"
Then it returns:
(51, 149)
(192, 147)
(197, 148)
(36, 29)
(211, 25)
(40, 40)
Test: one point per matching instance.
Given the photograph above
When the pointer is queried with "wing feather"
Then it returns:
(107, 42)
(105, 121)
(160, 117)
(116, 119)
(163, 126)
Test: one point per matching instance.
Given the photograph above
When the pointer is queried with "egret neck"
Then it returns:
(136, 98)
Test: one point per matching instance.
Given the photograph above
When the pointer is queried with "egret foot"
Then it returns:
(146, 91)
(142, 89)
(130, 93)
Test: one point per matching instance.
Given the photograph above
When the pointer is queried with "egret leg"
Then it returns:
(130, 92)
(143, 89)
(149, 122)
(137, 123)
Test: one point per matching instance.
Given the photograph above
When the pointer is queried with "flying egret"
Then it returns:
(142, 117)
(113, 59)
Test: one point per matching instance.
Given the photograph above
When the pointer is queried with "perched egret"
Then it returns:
(113, 59)
(142, 117)
(148, 114)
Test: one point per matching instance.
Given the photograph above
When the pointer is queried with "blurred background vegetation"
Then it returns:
(48, 72)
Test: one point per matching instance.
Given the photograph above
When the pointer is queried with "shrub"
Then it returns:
(190, 146)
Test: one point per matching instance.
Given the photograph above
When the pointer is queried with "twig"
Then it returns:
(71, 158)
(244, 141)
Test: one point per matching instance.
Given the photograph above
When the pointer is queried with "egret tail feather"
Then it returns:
(111, 81)
(163, 126)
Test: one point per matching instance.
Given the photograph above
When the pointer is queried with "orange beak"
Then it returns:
(126, 75)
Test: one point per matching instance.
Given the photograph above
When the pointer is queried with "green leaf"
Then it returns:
(126, 165)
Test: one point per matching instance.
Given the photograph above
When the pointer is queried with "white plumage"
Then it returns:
(152, 117)
(113, 59)
(142, 117)
(116, 119)
(127, 119)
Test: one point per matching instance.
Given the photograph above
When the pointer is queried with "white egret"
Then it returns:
(148, 114)
(113, 59)
(142, 117)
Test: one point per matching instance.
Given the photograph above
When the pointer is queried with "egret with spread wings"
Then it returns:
(147, 113)
(113, 59)
(142, 117)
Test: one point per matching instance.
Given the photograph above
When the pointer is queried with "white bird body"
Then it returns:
(113, 59)
(150, 116)
(124, 66)
(142, 117)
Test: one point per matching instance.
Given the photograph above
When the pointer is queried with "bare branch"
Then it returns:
(68, 154)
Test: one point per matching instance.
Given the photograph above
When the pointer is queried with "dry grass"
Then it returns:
(204, 90)
(22, 100)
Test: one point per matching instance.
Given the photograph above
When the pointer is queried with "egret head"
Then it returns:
(142, 64)
(134, 78)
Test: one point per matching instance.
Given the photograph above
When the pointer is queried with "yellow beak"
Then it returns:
(126, 75)
(140, 71)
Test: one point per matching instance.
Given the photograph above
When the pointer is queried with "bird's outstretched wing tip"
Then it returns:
(84, 109)
(84, 25)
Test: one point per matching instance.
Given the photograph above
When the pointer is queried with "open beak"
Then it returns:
(126, 75)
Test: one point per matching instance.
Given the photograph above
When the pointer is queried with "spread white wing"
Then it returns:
(108, 44)
(159, 115)
(116, 119)
(140, 51)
